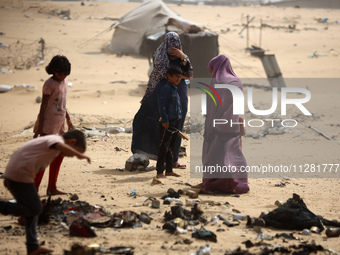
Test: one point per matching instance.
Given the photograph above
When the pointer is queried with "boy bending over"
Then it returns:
(25, 163)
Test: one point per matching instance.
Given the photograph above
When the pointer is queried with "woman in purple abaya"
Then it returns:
(222, 143)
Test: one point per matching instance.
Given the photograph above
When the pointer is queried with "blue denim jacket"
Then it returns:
(169, 104)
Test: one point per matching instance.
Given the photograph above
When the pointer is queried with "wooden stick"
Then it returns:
(320, 133)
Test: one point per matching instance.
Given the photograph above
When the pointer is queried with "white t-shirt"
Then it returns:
(33, 157)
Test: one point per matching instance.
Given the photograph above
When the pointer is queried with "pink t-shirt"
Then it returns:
(54, 119)
(31, 158)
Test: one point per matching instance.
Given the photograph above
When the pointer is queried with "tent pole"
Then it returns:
(247, 32)
(260, 33)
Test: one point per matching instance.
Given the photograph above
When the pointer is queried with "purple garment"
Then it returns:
(222, 144)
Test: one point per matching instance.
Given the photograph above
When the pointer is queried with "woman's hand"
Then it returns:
(242, 128)
(38, 132)
(68, 121)
(177, 52)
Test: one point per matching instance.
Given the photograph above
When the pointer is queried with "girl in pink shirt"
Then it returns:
(51, 118)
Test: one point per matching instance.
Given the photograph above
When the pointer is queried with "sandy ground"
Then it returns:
(106, 92)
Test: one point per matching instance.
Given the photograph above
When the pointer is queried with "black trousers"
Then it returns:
(167, 137)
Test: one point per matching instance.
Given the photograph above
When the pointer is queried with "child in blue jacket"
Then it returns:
(169, 107)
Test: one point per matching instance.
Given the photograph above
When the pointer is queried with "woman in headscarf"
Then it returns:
(145, 137)
(222, 143)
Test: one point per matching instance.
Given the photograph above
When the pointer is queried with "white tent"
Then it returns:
(148, 19)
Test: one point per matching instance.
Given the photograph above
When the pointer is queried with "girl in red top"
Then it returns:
(52, 115)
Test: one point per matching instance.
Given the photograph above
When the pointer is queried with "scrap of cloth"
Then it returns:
(292, 215)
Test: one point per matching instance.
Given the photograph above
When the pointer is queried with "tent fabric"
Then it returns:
(147, 19)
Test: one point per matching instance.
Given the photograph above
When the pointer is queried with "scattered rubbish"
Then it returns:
(306, 232)
(238, 216)
(171, 193)
(168, 200)
(228, 223)
(81, 228)
(204, 234)
(156, 181)
(149, 201)
(192, 127)
(214, 219)
(25, 86)
(315, 230)
(3, 45)
(177, 211)
(262, 236)
(98, 218)
(124, 82)
(321, 20)
(251, 133)
(316, 55)
(96, 131)
(189, 203)
(144, 218)
(280, 184)
(74, 197)
(203, 250)
(112, 129)
(65, 14)
(333, 232)
(182, 152)
(92, 249)
(320, 133)
(5, 70)
(278, 203)
(286, 236)
(128, 130)
(41, 62)
(137, 162)
(180, 230)
(293, 215)
(192, 194)
(155, 203)
(122, 250)
(80, 249)
(5, 88)
(38, 99)
(333, 52)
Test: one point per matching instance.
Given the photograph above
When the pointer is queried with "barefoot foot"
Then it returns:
(172, 174)
(160, 176)
(198, 186)
(55, 192)
(40, 250)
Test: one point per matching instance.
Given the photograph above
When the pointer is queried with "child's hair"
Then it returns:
(59, 64)
(172, 70)
(78, 135)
